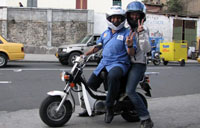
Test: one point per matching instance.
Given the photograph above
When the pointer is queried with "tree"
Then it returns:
(174, 6)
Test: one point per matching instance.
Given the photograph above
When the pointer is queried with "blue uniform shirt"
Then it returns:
(114, 51)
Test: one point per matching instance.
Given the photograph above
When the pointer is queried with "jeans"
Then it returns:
(135, 75)
(113, 80)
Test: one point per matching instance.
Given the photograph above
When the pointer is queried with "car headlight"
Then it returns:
(64, 50)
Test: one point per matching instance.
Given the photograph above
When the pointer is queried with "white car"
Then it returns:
(66, 53)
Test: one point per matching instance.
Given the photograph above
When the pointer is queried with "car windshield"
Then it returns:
(84, 40)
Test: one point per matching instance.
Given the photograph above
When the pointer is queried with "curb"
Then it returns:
(36, 61)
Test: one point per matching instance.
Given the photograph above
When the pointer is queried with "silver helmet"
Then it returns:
(115, 11)
(138, 7)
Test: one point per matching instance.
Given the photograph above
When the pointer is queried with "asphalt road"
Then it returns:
(24, 85)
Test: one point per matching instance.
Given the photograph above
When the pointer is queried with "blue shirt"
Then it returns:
(114, 51)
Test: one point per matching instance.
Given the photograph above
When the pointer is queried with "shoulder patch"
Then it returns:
(105, 34)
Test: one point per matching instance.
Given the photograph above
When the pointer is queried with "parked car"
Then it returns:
(10, 51)
(66, 53)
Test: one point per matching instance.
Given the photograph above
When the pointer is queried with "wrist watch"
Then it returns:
(130, 46)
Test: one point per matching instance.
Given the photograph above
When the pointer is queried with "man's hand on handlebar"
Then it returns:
(83, 56)
(93, 50)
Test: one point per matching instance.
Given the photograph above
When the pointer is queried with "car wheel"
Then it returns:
(165, 62)
(72, 57)
(3, 60)
(182, 63)
(63, 61)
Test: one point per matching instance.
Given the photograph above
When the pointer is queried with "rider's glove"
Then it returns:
(83, 56)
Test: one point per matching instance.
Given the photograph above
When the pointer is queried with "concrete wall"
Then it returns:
(191, 6)
(42, 30)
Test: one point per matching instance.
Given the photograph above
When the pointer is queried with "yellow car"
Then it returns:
(10, 51)
(198, 59)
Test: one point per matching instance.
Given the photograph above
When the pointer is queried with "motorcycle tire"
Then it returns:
(131, 115)
(156, 62)
(48, 113)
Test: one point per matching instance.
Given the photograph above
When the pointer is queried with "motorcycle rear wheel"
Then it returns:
(130, 114)
(48, 111)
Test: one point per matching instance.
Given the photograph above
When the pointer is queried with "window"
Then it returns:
(117, 2)
(185, 30)
(1, 42)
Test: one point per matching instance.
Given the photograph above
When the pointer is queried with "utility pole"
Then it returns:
(31, 3)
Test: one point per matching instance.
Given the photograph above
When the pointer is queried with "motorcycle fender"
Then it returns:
(89, 101)
(56, 93)
(61, 94)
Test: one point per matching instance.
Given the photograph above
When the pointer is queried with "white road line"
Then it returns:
(5, 82)
(159, 67)
(40, 69)
(64, 69)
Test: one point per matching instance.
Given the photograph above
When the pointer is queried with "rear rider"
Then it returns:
(135, 14)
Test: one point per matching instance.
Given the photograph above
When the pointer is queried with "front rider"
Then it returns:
(135, 17)
(115, 58)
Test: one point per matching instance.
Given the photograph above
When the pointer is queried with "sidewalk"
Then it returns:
(40, 58)
(168, 112)
(52, 58)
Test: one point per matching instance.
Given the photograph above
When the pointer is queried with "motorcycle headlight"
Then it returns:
(62, 76)
(65, 76)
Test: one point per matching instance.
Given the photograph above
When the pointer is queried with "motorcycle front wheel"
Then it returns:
(156, 62)
(129, 114)
(48, 112)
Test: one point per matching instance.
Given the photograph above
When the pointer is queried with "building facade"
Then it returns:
(43, 30)
(97, 5)
(162, 27)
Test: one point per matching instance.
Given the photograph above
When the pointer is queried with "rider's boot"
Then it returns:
(109, 115)
(83, 114)
(148, 123)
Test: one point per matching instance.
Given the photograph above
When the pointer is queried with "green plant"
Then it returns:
(174, 6)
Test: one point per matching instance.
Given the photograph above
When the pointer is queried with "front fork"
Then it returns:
(62, 94)
(63, 100)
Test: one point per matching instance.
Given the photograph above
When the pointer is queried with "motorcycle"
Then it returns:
(57, 108)
(154, 57)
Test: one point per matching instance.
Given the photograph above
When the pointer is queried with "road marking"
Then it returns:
(64, 69)
(5, 82)
(17, 70)
(41, 69)
(159, 67)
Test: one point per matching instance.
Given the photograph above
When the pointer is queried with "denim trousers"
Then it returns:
(135, 75)
(113, 81)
